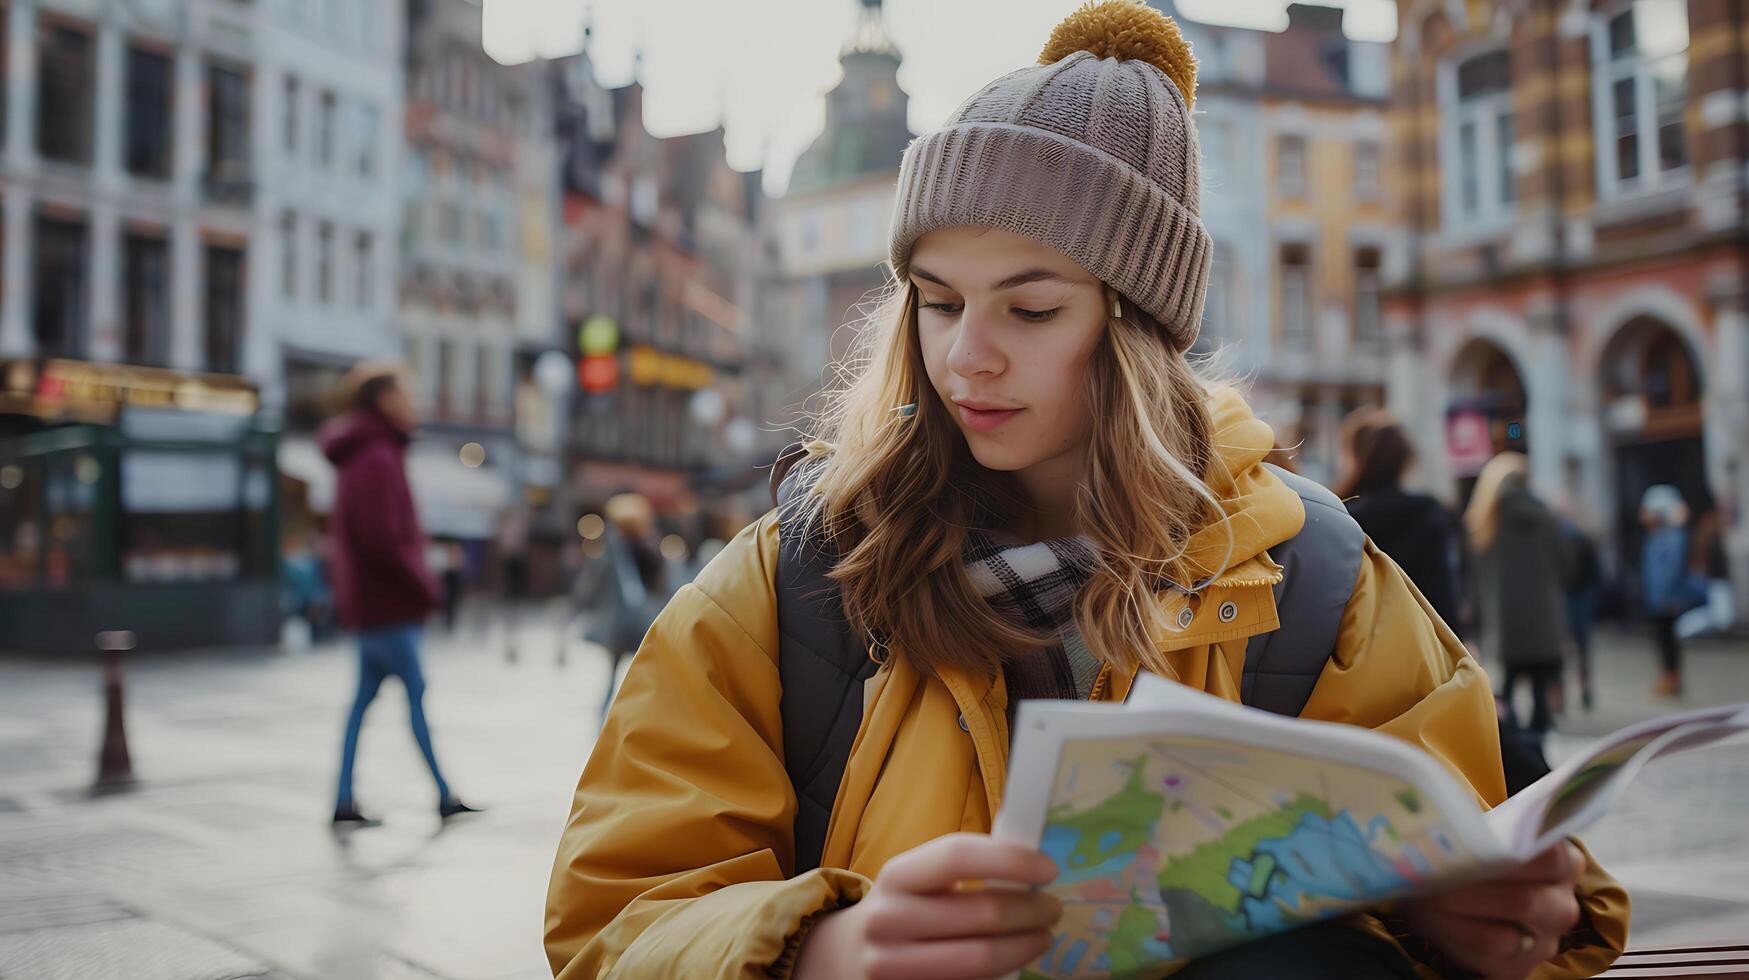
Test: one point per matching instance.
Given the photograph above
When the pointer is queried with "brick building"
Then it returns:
(1572, 175)
(659, 250)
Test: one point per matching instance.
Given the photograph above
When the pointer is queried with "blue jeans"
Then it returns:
(389, 652)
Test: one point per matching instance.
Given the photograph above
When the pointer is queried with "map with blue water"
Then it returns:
(1173, 847)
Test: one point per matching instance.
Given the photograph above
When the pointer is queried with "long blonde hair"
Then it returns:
(899, 490)
(1482, 516)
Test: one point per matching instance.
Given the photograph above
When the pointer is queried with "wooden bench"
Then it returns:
(1723, 959)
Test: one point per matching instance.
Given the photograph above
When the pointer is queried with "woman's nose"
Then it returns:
(975, 350)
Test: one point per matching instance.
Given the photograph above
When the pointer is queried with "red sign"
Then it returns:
(1469, 440)
(598, 373)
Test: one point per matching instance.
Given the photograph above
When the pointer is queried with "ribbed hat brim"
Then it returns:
(1087, 204)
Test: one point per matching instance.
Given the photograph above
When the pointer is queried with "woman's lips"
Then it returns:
(986, 420)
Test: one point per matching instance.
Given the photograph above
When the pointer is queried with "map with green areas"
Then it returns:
(1174, 847)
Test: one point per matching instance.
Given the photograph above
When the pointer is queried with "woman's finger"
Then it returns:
(982, 912)
(941, 863)
(956, 959)
(1490, 947)
(1545, 908)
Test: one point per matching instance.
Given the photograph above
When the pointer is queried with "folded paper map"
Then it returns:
(1183, 824)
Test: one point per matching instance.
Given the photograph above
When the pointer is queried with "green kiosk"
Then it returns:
(142, 500)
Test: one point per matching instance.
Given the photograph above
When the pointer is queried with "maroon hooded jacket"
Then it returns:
(378, 558)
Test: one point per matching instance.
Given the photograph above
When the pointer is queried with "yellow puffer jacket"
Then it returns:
(676, 859)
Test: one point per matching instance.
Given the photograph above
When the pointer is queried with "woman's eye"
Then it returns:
(1036, 316)
(946, 308)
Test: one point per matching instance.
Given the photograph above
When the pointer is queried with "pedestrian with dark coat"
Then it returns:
(1521, 580)
(1415, 529)
(382, 586)
(1584, 595)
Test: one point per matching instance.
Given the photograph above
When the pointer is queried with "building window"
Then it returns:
(1296, 295)
(227, 139)
(149, 123)
(1366, 171)
(1367, 317)
(1479, 137)
(325, 263)
(1641, 94)
(469, 379)
(65, 79)
(1290, 166)
(413, 351)
(450, 223)
(146, 300)
(224, 308)
(366, 162)
(59, 287)
(446, 376)
(485, 384)
(325, 123)
(288, 255)
(289, 113)
(363, 269)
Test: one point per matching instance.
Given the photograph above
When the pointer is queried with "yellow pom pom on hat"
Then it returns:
(1127, 30)
(1092, 152)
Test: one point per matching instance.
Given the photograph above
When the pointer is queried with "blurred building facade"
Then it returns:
(129, 184)
(1573, 178)
(477, 275)
(329, 82)
(827, 235)
(660, 255)
(192, 203)
(1294, 288)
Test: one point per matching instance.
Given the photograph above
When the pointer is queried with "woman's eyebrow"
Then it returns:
(1018, 279)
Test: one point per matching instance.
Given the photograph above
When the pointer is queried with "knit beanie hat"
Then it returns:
(1091, 152)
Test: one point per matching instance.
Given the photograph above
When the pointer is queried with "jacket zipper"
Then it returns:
(1099, 681)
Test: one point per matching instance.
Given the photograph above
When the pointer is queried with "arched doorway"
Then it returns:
(1486, 412)
(1652, 407)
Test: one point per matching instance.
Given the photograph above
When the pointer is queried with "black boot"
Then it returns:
(454, 807)
(347, 815)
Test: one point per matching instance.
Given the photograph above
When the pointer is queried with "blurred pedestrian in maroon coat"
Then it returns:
(381, 584)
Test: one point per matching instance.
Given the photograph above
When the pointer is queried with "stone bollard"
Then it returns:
(115, 771)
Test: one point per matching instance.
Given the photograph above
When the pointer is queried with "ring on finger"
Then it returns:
(1526, 942)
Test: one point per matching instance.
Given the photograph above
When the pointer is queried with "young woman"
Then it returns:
(1026, 383)
(1522, 569)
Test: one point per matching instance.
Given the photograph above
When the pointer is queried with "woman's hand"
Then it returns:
(1504, 928)
(917, 923)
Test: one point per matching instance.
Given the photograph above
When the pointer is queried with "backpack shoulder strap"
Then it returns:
(822, 663)
(1319, 567)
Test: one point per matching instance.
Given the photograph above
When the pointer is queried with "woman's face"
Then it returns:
(1007, 327)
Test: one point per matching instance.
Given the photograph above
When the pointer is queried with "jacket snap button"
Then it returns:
(1184, 617)
(1229, 611)
(963, 726)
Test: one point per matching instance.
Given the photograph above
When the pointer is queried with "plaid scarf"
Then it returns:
(1034, 586)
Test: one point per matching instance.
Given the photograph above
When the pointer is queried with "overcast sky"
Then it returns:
(762, 66)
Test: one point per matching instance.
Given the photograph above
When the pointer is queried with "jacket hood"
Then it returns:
(1259, 511)
(348, 435)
